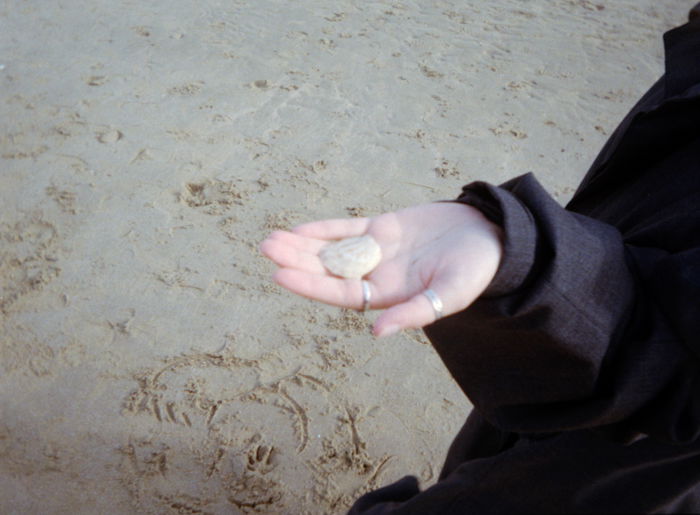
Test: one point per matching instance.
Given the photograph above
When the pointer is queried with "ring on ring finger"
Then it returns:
(435, 302)
(366, 295)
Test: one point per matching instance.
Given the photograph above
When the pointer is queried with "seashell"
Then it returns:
(351, 258)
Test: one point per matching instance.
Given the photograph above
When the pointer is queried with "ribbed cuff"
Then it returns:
(520, 234)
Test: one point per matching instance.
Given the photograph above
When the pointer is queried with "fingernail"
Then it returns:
(389, 330)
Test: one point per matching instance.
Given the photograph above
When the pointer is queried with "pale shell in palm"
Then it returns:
(351, 258)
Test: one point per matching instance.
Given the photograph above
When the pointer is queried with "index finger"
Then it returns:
(329, 290)
(333, 229)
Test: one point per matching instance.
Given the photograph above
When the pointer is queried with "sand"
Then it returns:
(147, 362)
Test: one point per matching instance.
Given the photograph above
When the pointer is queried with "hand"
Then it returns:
(448, 247)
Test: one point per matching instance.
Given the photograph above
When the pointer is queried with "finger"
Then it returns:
(333, 229)
(416, 312)
(345, 293)
(286, 255)
(303, 243)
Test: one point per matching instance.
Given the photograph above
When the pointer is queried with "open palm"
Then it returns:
(447, 247)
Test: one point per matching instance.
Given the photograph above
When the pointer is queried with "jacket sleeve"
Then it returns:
(567, 336)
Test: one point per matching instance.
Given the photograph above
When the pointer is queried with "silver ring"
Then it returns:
(366, 295)
(435, 302)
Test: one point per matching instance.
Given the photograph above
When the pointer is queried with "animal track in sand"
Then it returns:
(187, 90)
(28, 257)
(212, 196)
(445, 170)
(65, 199)
(260, 458)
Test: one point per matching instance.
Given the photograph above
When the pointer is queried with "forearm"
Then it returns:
(563, 338)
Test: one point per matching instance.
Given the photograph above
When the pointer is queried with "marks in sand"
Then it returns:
(212, 196)
(19, 145)
(203, 400)
(247, 416)
(28, 259)
(65, 199)
(108, 135)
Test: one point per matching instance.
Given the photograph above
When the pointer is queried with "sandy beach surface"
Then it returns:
(147, 362)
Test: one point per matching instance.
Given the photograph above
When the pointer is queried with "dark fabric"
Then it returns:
(568, 472)
(582, 358)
